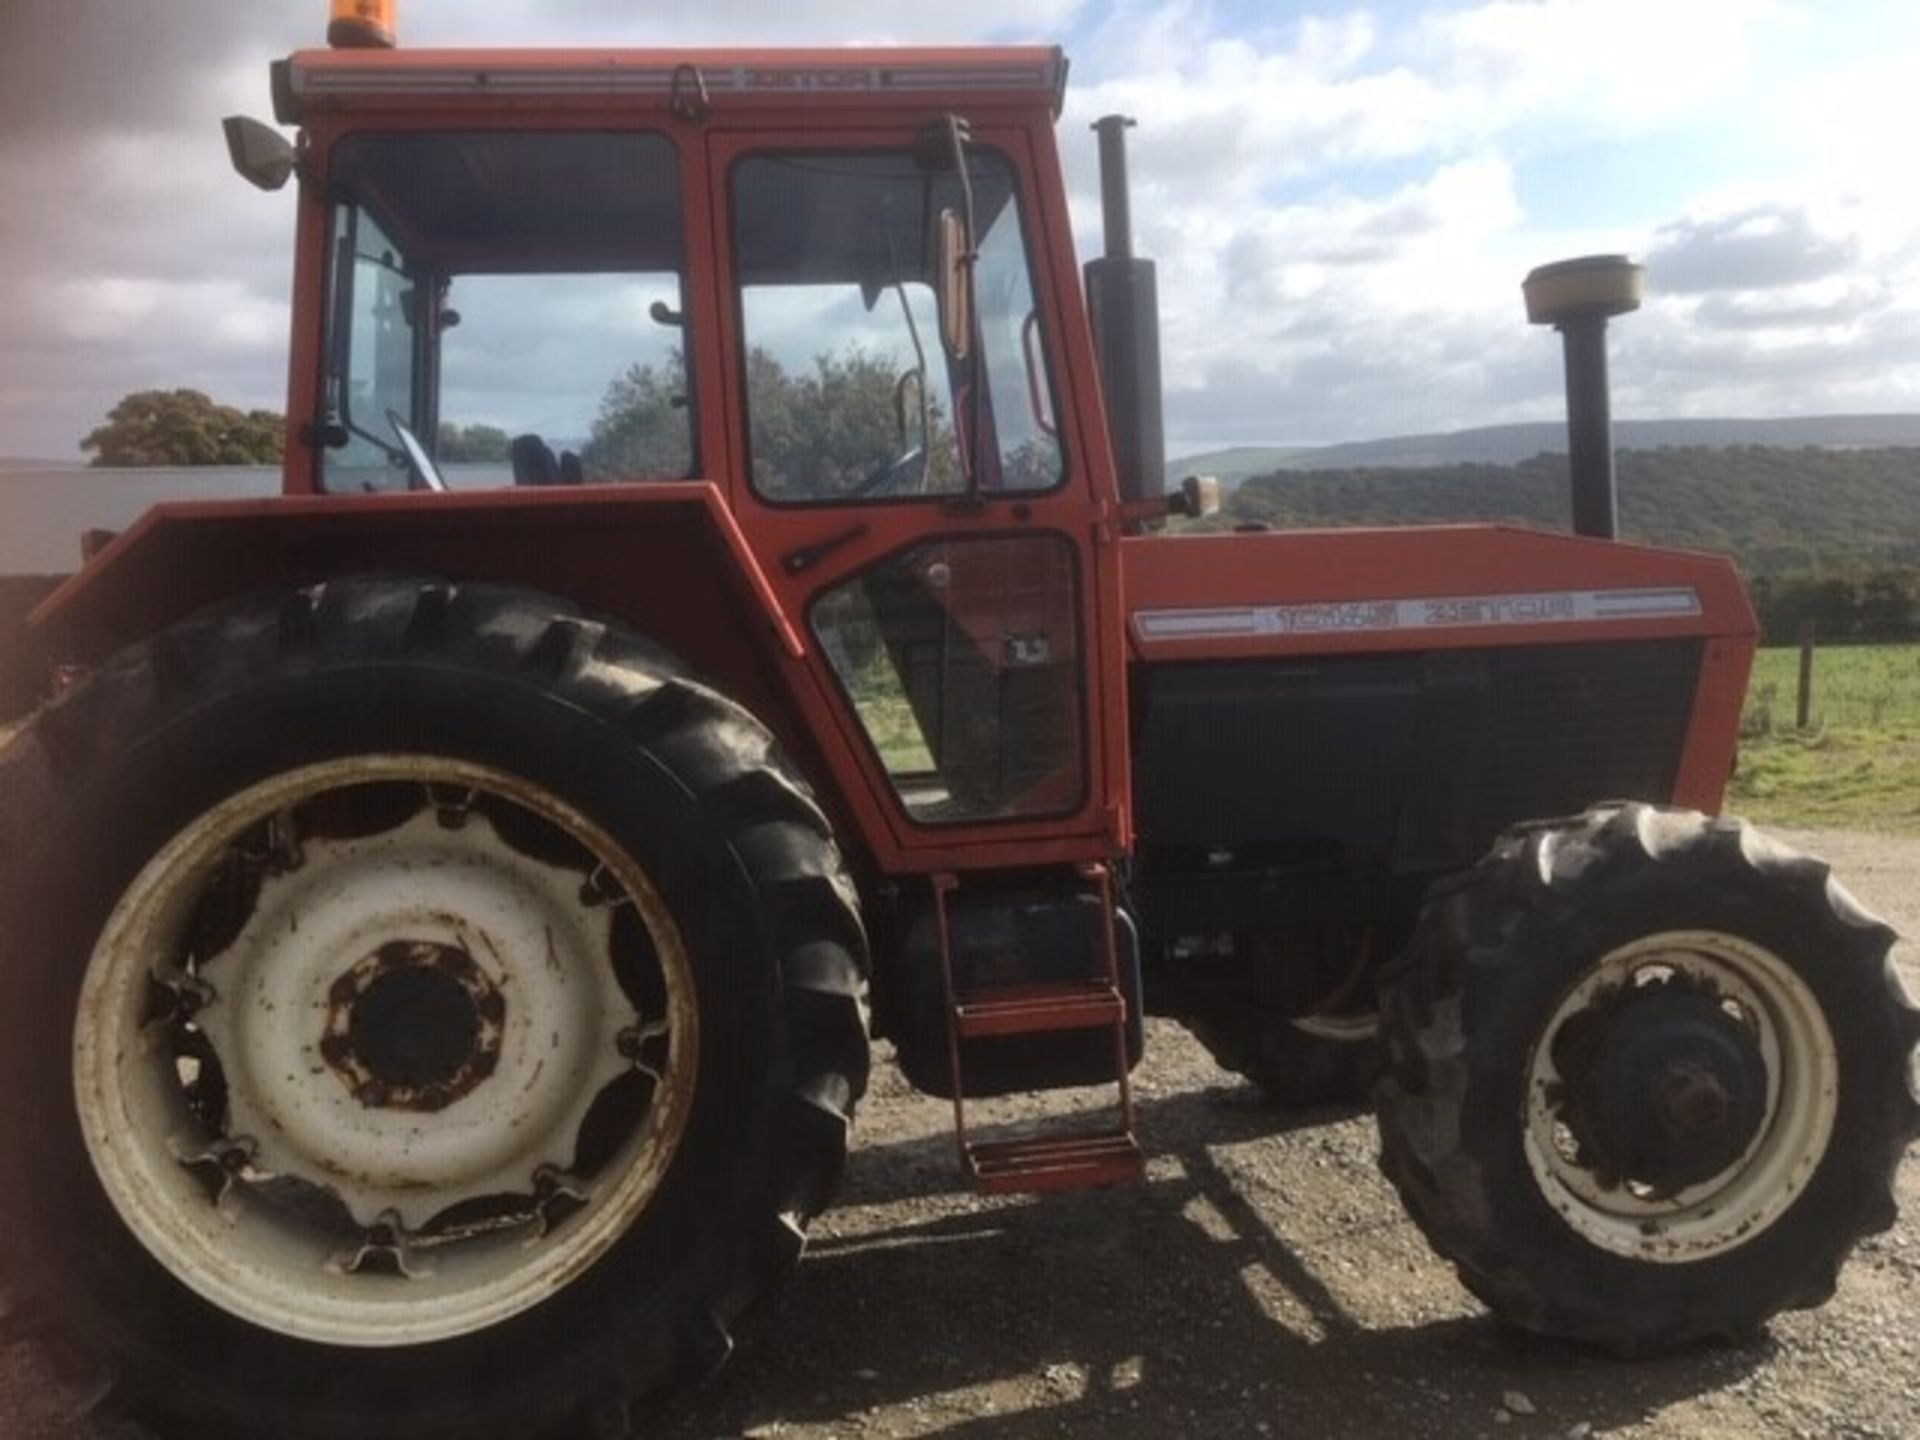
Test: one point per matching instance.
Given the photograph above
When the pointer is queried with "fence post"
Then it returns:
(1804, 714)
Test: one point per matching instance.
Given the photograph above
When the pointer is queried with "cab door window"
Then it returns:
(960, 657)
(850, 395)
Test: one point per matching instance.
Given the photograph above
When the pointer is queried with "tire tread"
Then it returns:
(743, 789)
(1462, 949)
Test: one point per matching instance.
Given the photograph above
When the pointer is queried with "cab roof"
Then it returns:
(977, 77)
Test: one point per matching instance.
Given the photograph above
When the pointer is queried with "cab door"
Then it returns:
(923, 512)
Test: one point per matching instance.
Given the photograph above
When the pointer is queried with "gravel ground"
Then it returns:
(1262, 1283)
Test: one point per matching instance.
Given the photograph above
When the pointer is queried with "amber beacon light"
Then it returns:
(362, 24)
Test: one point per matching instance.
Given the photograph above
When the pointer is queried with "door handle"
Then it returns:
(796, 562)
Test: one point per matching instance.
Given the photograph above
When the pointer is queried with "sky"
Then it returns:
(1342, 199)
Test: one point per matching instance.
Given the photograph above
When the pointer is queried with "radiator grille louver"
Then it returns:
(1418, 760)
(1586, 723)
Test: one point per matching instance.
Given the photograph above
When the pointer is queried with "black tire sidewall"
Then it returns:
(653, 1282)
(1505, 1007)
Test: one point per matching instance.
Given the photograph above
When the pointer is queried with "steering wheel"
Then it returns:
(902, 475)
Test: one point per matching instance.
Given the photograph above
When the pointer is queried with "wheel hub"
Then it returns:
(1680, 1096)
(367, 991)
(416, 1025)
(1675, 1092)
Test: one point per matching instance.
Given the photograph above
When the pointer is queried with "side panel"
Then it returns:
(1407, 762)
(1466, 592)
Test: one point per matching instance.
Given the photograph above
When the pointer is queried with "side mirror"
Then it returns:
(956, 285)
(263, 156)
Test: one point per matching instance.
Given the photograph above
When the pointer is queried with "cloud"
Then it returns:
(1232, 120)
(137, 259)
(1342, 204)
(1761, 248)
(100, 337)
(71, 66)
(758, 21)
(1777, 304)
(68, 64)
(1342, 232)
(1345, 316)
(1225, 115)
(1613, 64)
(1840, 305)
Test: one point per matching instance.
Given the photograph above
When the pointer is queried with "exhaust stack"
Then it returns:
(1123, 304)
(1577, 298)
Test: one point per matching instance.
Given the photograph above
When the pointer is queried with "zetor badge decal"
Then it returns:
(1365, 617)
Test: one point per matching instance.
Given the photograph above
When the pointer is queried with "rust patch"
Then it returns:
(414, 1026)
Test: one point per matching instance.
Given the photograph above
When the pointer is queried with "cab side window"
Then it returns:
(516, 301)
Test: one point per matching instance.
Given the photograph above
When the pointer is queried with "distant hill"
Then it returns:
(1242, 462)
(1776, 509)
(1511, 444)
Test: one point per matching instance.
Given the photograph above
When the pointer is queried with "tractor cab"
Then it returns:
(833, 290)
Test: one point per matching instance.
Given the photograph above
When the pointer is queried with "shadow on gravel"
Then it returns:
(1169, 1310)
(882, 1173)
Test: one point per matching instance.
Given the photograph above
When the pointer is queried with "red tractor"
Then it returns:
(441, 903)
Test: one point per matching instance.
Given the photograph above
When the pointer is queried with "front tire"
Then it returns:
(1646, 1078)
(433, 1014)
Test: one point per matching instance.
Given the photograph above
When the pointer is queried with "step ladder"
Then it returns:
(1045, 1160)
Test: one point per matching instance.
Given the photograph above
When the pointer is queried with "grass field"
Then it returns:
(1857, 765)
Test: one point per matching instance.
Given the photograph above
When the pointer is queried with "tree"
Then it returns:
(184, 427)
(833, 430)
(1889, 604)
(822, 433)
(1881, 604)
(826, 432)
(643, 427)
(472, 445)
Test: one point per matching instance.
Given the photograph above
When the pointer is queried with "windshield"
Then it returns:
(515, 300)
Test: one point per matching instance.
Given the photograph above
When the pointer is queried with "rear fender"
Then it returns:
(667, 559)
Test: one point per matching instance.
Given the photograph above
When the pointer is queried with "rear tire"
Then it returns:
(385, 1216)
(1646, 1078)
(1296, 1062)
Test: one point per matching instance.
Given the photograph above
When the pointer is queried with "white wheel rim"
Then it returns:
(411, 1022)
(1761, 993)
